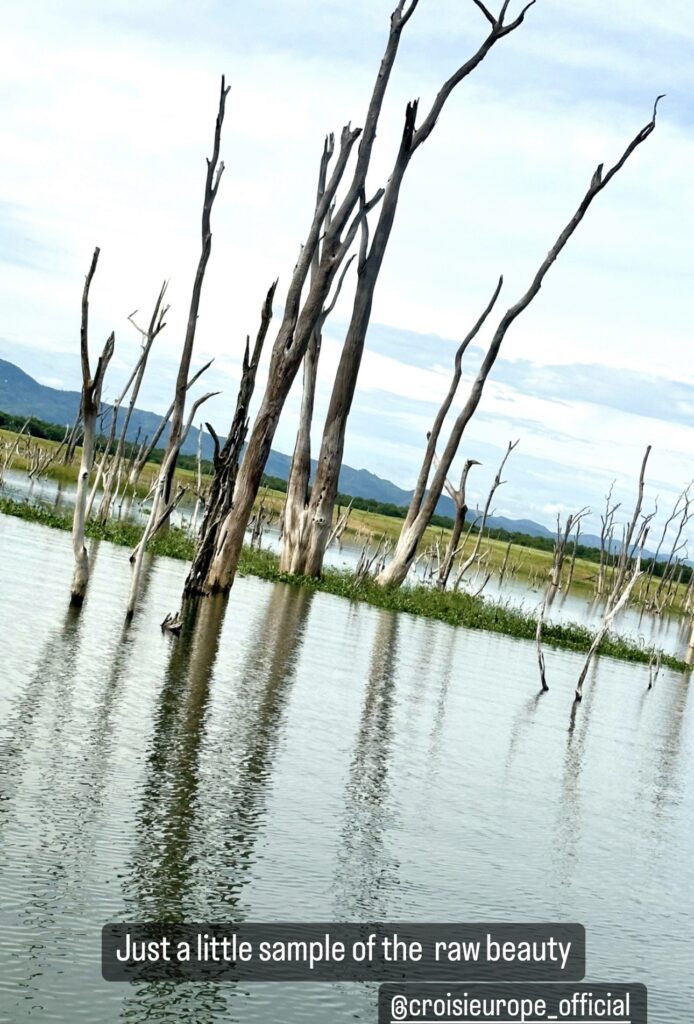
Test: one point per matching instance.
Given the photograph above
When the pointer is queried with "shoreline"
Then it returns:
(455, 609)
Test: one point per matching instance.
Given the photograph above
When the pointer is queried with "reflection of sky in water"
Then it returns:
(669, 632)
(295, 756)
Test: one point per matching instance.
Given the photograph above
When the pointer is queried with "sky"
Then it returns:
(106, 117)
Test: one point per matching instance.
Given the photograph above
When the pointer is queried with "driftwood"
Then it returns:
(89, 406)
(411, 534)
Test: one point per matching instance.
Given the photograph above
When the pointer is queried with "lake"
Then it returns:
(670, 632)
(296, 757)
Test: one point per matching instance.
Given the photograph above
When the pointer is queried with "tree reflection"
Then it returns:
(203, 800)
(367, 869)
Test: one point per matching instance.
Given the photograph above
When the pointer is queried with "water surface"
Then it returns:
(296, 757)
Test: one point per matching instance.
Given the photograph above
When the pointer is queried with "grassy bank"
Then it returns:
(455, 609)
(527, 564)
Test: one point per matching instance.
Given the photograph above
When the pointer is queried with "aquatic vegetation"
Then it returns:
(456, 609)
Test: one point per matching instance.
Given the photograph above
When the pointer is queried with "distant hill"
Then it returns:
(21, 395)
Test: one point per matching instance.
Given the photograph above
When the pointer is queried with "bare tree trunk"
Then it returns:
(460, 502)
(226, 460)
(410, 536)
(90, 402)
(156, 325)
(538, 644)
(300, 470)
(497, 482)
(504, 564)
(300, 320)
(162, 504)
(215, 169)
(572, 566)
(309, 559)
(574, 519)
(623, 583)
(73, 439)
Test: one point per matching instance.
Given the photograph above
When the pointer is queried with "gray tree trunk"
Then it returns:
(90, 402)
(300, 320)
(412, 532)
(307, 557)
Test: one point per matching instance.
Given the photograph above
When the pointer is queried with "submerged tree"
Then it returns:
(300, 319)
(89, 409)
(226, 459)
(162, 503)
(309, 550)
(458, 497)
(423, 507)
(627, 573)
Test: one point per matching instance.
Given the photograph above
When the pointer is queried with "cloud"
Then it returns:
(107, 118)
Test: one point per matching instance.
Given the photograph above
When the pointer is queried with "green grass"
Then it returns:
(456, 609)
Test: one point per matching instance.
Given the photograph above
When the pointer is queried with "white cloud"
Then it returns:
(107, 117)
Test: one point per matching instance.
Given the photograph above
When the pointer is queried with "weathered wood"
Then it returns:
(163, 504)
(300, 318)
(635, 536)
(308, 558)
(112, 475)
(410, 536)
(496, 483)
(89, 404)
(226, 460)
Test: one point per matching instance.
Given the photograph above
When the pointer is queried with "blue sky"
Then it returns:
(106, 117)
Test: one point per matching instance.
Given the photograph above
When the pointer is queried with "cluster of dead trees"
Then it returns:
(620, 569)
(346, 241)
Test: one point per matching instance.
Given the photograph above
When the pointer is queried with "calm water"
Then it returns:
(299, 758)
(669, 632)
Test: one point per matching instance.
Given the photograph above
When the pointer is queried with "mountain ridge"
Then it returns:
(22, 395)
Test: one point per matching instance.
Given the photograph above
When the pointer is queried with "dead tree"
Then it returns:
(572, 564)
(112, 475)
(300, 318)
(340, 524)
(226, 460)
(606, 531)
(683, 514)
(626, 574)
(410, 536)
(144, 454)
(11, 451)
(504, 564)
(308, 558)
(215, 169)
(496, 483)
(572, 520)
(458, 497)
(296, 331)
(538, 645)
(89, 407)
(296, 502)
(73, 439)
(162, 504)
